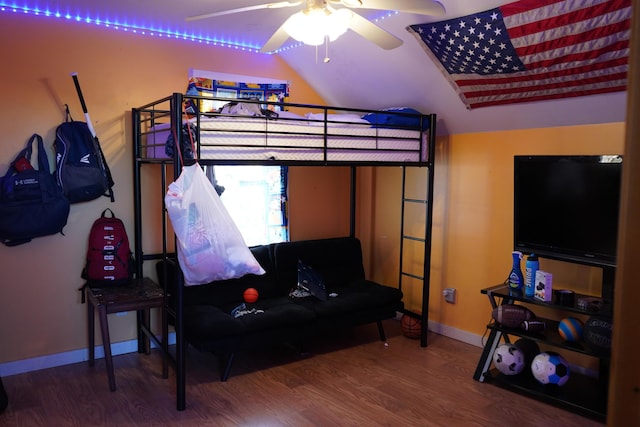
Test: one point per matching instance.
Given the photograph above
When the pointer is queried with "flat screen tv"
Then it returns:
(566, 207)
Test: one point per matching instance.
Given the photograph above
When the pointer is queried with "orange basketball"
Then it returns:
(410, 326)
(250, 295)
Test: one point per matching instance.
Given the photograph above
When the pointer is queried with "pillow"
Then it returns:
(310, 281)
(348, 118)
(381, 120)
(289, 115)
(241, 109)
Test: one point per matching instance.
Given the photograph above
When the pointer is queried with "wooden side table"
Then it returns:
(140, 295)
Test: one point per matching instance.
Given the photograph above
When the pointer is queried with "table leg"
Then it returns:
(106, 343)
(144, 318)
(165, 342)
(91, 330)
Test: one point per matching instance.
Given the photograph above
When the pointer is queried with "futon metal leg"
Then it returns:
(383, 337)
(226, 367)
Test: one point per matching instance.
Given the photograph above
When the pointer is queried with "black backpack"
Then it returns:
(81, 169)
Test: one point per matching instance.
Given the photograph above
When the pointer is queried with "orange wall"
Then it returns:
(40, 309)
(473, 218)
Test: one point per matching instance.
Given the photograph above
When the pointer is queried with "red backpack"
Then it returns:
(109, 257)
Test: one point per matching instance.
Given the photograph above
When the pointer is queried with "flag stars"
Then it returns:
(478, 44)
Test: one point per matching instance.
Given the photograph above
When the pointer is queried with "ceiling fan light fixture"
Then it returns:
(313, 26)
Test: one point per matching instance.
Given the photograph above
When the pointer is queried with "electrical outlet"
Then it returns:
(449, 295)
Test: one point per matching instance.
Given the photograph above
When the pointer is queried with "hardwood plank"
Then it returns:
(350, 379)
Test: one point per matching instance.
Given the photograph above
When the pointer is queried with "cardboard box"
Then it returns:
(543, 288)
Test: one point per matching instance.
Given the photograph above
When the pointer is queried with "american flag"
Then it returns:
(533, 50)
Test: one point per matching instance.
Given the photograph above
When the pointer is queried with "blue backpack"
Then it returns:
(81, 169)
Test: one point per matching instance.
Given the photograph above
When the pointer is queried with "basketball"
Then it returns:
(410, 326)
(597, 334)
(570, 329)
(250, 295)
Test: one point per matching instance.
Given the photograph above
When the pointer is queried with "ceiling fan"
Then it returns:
(319, 21)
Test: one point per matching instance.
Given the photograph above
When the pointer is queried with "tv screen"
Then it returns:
(566, 207)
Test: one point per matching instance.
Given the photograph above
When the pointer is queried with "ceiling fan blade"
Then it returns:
(372, 32)
(276, 40)
(421, 7)
(245, 9)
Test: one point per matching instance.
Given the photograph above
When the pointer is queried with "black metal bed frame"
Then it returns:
(170, 108)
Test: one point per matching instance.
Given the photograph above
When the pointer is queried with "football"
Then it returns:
(550, 368)
(512, 315)
(509, 359)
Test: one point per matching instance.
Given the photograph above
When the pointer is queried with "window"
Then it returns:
(255, 197)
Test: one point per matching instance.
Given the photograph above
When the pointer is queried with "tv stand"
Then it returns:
(582, 394)
(608, 281)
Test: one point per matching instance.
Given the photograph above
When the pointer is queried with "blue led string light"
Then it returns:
(146, 31)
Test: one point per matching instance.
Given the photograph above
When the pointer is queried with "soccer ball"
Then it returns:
(509, 359)
(550, 368)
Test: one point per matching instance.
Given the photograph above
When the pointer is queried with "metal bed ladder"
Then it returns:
(422, 208)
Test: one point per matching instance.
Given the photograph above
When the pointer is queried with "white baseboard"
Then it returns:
(456, 334)
(70, 357)
(131, 346)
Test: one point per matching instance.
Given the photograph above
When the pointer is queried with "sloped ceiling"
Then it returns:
(359, 73)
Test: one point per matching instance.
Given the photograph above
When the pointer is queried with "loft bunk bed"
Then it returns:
(247, 132)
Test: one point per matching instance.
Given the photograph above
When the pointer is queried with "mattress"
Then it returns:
(291, 140)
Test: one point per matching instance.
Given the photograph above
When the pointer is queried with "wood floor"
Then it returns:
(350, 380)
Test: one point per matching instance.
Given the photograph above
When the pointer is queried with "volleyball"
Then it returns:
(570, 329)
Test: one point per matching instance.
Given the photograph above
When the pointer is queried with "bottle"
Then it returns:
(516, 279)
(530, 268)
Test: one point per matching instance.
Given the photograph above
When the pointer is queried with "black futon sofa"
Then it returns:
(277, 316)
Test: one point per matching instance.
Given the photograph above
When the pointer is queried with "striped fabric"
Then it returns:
(533, 50)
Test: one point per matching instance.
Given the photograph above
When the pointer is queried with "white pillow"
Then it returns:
(351, 118)
(289, 115)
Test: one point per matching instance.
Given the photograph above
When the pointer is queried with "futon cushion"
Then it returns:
(353, 297)
(338, 261)
(224, 292)
(210, 322)
(273, 313)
